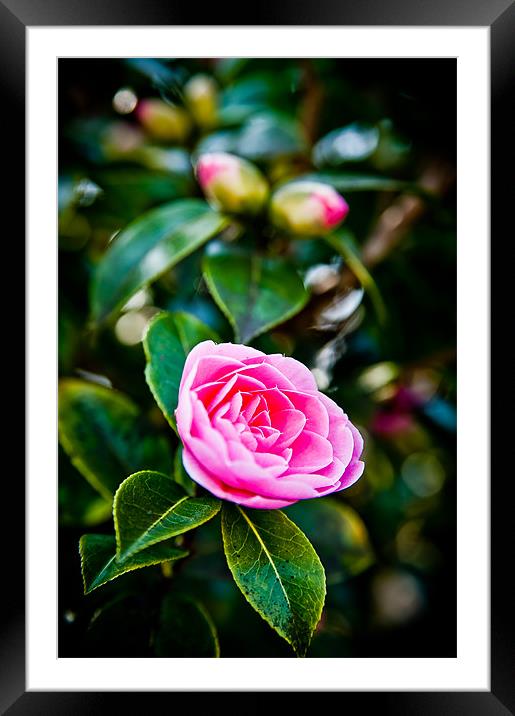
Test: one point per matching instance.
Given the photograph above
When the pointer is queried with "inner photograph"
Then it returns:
(257, 357)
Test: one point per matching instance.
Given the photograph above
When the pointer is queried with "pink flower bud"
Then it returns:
(163, 121)
(231, 183)
(307, 208)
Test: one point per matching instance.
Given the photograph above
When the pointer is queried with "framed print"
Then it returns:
(257, 227)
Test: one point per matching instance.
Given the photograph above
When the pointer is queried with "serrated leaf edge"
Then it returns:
(299, 652)
(131, 552)
(181, 554)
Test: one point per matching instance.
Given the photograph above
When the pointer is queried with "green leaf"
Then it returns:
(277, 569)
(349, 182)
(186, 629)
(148, 247)
(338, 533)
(105, 435)
(268, 135)
(353, 143)
(150, 507)
(169, 339)
(79, 504)
(181, 476)
(129, 192)
(100, 564)
(254, 293)
(343, 241)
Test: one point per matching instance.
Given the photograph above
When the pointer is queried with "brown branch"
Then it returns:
(392, 225)
(313, 100)
(399, 217)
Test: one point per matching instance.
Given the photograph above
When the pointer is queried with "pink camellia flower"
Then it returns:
(231, 183)
(307, 208)
(256, 430)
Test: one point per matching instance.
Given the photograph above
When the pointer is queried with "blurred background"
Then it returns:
(379, 332)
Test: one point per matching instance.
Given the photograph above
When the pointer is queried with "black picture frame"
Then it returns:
(499, 16)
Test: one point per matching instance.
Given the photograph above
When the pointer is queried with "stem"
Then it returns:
(392, 225)
(313, 101)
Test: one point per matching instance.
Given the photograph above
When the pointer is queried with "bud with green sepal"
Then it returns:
(201, 98)
(231, 183)
(307, 208)
(164, 121)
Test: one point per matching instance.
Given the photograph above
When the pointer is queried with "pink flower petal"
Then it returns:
(343, 443)
(298, 374)
(358, 441)
(249, 440)
(212, 368)
(212, 394)
(334, 470)
(314, 480)
(239, 453)
(269, 460)
(201, 349)
(235, 406)
(226, 429)
(276, 400)
(317, 417)
(290, 424)
(209, 348)
(262, 419)
(251, 406)
(184, 410)
(352, 474)
(199, 474)
(269, 375)
(340, 438)
(268, 439)
(310, 453)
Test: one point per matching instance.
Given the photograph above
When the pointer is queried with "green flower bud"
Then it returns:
(163, 121)
(201, 97)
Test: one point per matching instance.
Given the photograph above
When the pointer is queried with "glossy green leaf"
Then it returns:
(348, 182)
(277, 569)
(150, 507)
(254, 293)
(148, 247)
(268, 135)
(105, 435)
(186, 629)
(181, 476)
(169, 339)
(100, 564)
(338, 534)
(79, 504)
(354, 143)
(129, 192)
(344, 243)
(263, 136)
